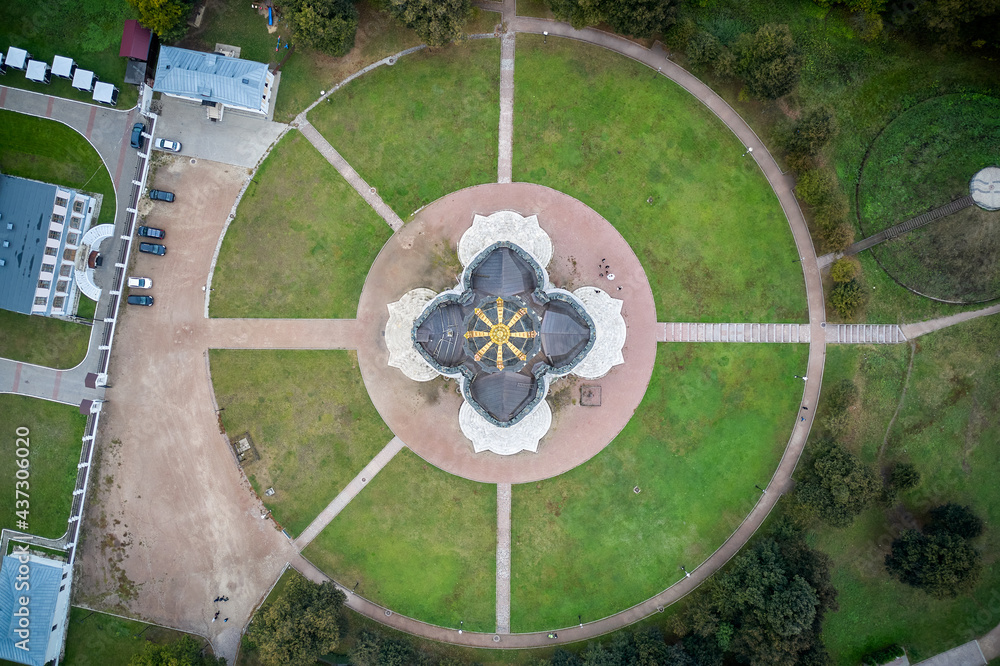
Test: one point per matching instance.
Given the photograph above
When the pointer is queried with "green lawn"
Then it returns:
(310, 419)
(948, 430)
(714, 243)
(714, 422)
(42, 340)
(96, 639)
(419, 541)
(90, 32)
(422, 128)
(54, 444)
(289, 255)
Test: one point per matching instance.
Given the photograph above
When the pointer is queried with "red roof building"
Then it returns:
(135, 41)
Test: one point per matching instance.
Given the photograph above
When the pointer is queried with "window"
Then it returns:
(62, 286)
(41, 300)
(58, 219)
(71, 239)
(47, 268)
(75, 222)
(78, 206)
(65, 270)
(57, 302)
(55, 235)
(61, 202)
(69, 255)
(51, 251)
(44, 284)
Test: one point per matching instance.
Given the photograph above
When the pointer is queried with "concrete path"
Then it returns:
(922, 328)
(349, 174)
(968, 654)
(65, 386)
(685, 332)
(869, 334)
(503, 557)
(901, 228)
(506, 149)
(349, 492)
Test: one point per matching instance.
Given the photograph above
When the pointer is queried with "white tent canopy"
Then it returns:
(84, 80)
(38, 70)
(105, 93)
(17, 58)
(63, 67)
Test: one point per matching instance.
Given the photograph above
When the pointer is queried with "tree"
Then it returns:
(325, 25)
(183, 652)
(164, 17)
(769, 61)
(812, 131)
(437, 22)
(705, 50)
(640, 18)
(837, 486)
(904, 476)
(942, 564)
(845, 269)
(955, 519)
(847, 298)
(300, 626)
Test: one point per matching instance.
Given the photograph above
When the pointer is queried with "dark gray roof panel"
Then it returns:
(503, 394)
(503, 273)
(441, 334)
(564, 333)
(26, 205)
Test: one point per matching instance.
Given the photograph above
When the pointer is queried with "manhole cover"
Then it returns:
(194, 161)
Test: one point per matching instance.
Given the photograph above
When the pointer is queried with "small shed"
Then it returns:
(84, 79)
(135, 71)
(105, 93)
(17, 58)
(135, 41)
(63, 67)
(38, 71)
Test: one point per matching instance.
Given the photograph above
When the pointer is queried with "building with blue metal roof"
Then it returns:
(211, 78)
(41, 232)
(34, 595)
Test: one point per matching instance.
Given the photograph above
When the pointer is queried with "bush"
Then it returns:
(437, 22)
(955, 519)
(838, 238)
(941, 564)
(883, 656)
(640, 18)
(904, 476)
(816, 186)
(847, 298)
(325, 25)
(812, 132)
(845, 269)
(842, 396)
(703, 49)
(769, 61)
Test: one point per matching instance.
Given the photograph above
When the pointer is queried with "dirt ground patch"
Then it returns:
(172, 523)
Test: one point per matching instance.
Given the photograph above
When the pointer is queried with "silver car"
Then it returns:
(167, 144)
(140, 283)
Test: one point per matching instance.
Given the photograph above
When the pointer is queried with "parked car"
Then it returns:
(140, 300)
(153, 248)
(167, 144)
(152, 232)
(140, 283)
(138, 140)
(161, 195)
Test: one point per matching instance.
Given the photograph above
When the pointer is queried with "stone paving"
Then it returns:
(968, 654)
(688, 332)
(503, 557)
(506, 148)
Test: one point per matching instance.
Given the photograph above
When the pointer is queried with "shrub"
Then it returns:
(813, 130)
(325, 25)
(845, 269)
(837, 486)
(838, 238)
(847, 298)
(941, 564)
(904, 476)
(769, 61)
(703, 49)
(883, 656)
(815, 187)
(955, 519)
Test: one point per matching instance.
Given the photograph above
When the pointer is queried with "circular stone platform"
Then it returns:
(985, 188)
(425, 416)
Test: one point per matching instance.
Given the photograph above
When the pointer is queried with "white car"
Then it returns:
(140, 283)
(167, 144)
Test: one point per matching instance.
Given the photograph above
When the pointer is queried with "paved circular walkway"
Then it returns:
(425, 414)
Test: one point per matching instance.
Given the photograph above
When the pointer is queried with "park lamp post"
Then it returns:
(461, 623)
(545, 37)
(749, 150)
(686, 574)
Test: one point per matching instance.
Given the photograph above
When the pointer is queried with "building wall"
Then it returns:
(55, 293)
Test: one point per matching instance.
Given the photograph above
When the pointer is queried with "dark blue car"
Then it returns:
(138, 140)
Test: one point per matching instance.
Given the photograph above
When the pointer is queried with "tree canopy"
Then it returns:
(302, 624)
(768, 60)
(183, 652)
(437, 22)
(325, 25)
(167, 18)
(640, 18)
(837, 486)
(941, 564)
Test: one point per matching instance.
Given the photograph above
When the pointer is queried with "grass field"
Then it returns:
(54, 443)
(422, 128)
(42, 340)
(946, 428)
(714, 243)
(89, 32)
(289, 255)
(310, 419)
(96, 639)
(419, 541)
(305, 73)
(714, 422)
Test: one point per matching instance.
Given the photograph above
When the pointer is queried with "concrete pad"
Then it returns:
(238, 139)
(964, 655)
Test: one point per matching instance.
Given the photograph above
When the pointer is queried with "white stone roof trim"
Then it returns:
(985, 188)
(522, 436)
(505, 225)
(402, 352)
(610, 333)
